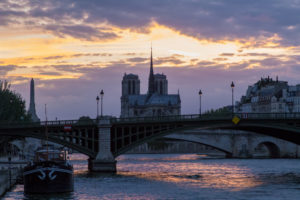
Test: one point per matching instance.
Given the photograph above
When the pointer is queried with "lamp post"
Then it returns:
(101, 96)
(9, 164)
(232, 86)
(200, 94)
(97, 99)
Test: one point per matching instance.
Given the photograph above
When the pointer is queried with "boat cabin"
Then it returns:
(50, 155)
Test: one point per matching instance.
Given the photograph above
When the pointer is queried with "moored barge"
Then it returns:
(50, 172)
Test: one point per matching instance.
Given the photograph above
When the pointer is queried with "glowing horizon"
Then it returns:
(67, 44)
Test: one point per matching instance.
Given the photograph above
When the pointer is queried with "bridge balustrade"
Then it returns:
(171, 118)
(268, 115)
(203, 117)
(215, 116)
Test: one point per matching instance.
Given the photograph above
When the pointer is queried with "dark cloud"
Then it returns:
(226, 54)
(220, 59)
(194, 60)
(255, 54)
(92, 54)
(204, 63)
(66, 68)
(53, 57)
(213, 20)
(66, 56)
(203, 19)
(81, 32)
(9, 14)
(272, 62)
(129, 54)
(4, 69)
(137, 60)
(167, 60)
(51, 73)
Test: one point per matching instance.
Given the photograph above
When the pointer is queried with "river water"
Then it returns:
(183, 176)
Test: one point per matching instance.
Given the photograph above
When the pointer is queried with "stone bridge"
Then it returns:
(103, 140)
(240, 144)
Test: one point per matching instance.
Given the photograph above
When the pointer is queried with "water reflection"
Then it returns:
(182, 177)
(181, 169)
(18, 193)
(49, 196)
(160, 157)
(225, 177)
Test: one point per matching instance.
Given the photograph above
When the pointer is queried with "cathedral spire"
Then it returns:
(151, 76)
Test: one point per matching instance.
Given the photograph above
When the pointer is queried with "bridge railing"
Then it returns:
(18, 124)
(173, 118)
(70, 122)
(49, 123)
(268, 115)
(218, 116)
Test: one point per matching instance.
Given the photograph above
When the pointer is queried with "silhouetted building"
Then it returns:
(31, 110)
(157, 101)
(270, 96)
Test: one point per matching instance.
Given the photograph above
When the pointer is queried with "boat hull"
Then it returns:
(48, 178)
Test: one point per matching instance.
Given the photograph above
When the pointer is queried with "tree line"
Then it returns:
(12, 106)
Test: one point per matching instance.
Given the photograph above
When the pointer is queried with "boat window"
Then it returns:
(41, 157)
(54, 156)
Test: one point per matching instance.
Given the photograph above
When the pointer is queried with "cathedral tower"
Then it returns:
(31, 110)
(160, 84)
(130, 86)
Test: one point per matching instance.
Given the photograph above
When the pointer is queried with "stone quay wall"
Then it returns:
(8, 179)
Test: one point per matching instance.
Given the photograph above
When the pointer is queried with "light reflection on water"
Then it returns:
(183, 176)
(196, 174)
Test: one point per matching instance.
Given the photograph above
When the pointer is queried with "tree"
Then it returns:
(220, 111)
(85, 120)
(12, 106)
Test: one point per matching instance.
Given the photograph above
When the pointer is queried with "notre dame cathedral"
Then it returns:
(157, 101)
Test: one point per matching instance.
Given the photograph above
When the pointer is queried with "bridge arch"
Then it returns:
(285, 132)
(273, 149)
(200, 139)
(137, 131)
(179, 134)
(224, 145)
(227, 152)
(75, 146)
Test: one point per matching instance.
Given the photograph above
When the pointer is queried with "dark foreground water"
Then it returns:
(181, 176)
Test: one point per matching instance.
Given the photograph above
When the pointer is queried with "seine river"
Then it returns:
(183, 176)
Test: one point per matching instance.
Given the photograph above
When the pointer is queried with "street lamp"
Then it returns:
(200, 94)
(97, 99)
(101, 96)
(232, 86)
(9, 163)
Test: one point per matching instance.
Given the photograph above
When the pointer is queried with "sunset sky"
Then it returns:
(73, 49)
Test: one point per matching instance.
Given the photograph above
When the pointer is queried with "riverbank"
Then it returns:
(9, 173)
(8, 178)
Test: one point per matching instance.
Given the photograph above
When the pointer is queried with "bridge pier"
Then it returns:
(104, 161)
